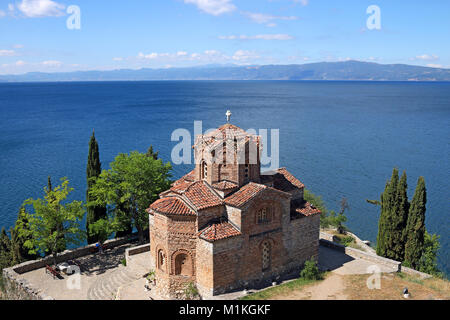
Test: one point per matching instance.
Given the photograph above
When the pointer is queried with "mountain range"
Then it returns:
(344, 71)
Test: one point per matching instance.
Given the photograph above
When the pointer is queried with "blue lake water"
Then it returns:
(341, 139)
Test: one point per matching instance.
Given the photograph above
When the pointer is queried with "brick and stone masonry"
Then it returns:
(226, 226)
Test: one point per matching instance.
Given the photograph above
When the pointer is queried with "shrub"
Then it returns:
(311, 271)
(151, 275)
(191, 291)
(346, 241)
(124, 262)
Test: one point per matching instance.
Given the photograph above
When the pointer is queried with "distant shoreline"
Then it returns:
(320, 71)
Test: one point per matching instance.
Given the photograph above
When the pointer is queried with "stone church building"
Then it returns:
(225, 225)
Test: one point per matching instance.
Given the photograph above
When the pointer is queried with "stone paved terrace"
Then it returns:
(101, 276)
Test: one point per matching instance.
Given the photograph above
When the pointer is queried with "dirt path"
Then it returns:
(332, 288)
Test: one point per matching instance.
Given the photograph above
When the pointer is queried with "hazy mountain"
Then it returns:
(348, 70)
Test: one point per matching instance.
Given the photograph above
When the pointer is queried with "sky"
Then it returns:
(71, 35)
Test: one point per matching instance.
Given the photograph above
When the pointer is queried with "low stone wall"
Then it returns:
(136, 250)
(415, 272)
(355, 253)
(17, 288)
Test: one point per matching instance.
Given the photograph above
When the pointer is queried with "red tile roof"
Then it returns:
(180, 186)
(305, 209)
(282, 179)
(201, 196)
(218, 231)
(244, 194)
(225, 185)
(171, 206)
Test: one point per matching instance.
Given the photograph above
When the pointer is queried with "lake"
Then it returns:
(341, 139)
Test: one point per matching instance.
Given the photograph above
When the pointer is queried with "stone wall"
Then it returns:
(237, 262)
(17, 288)
(415, 272)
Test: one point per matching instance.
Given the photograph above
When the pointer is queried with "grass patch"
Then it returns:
(392, 287)
(282, 289)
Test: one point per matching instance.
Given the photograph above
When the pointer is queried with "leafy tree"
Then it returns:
(328, 218)
(61, 244)
(5, 250)
(415, 229)
(130, 186)
(318, 202)
(428, 260)
(93, 170)
(22, 236)
(52, 224)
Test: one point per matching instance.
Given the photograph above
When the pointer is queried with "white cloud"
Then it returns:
(182, 53)
(18, 46)
(258, 37)
(118, 59)
(262, 18)
(41, 8)
(52, 63)
(425, 57)
(214, 7)
(7, 53)
(20, 63)
(432, 65)
(2, 13)
(302, 2)
(244, 55)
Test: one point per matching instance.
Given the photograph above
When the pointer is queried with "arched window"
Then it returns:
(263, 215)
(204, 169)
(183, 265)
(266, 255)
(161, 260)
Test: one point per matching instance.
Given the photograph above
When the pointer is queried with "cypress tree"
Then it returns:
(399, 217)
(415, 229)
(388, 204)
(151, 153)
(93, 170)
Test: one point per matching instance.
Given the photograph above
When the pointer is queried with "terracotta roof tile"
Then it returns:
(225, 185)
(282, 179)
(218, 231)
(171, 206)
(201, 196)
(247, 192)
(305, 209)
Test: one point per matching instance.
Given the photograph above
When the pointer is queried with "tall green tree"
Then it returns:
(49, 189)
(93, 170)
(388, 204)
(398, 218)
(415, 229)
(428, 260)
(21, 236)
(130, 186)
(52, 223)
(151, 153)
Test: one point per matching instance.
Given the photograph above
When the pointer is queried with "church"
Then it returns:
(226, 226)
